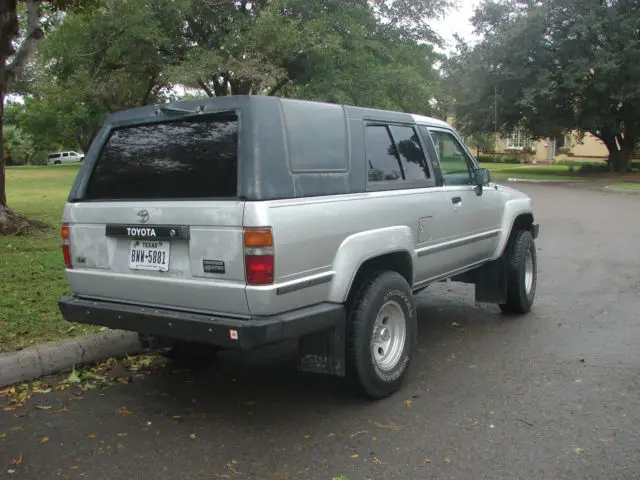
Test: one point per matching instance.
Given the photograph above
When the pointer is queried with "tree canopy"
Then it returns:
(553, 66)
(101, 56)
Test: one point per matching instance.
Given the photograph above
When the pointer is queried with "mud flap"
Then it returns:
(324, 352)
(491, 282)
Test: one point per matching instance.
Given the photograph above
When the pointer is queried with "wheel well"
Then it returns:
(522, 222)
(400, 262)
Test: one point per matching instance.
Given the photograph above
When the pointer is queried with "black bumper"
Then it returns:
(214, 330)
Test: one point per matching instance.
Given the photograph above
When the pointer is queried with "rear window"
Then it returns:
(183, 159)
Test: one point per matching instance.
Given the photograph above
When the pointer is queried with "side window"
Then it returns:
(381, 155)
(410, 152)
(65, 154)
(454, 163)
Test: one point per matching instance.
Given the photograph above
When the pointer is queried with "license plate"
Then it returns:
(149, 255)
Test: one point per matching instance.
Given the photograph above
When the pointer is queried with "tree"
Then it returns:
(19, 147)
(482, 142)
(554, 66)
(15, 51)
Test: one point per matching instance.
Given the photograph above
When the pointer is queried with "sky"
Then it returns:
(457, 21)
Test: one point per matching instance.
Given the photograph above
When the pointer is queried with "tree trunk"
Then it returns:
(3, 181)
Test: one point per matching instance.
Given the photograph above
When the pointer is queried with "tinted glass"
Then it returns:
(381, 155)
(317, 136)
(65, 154)
(453, 159)
(55, 155)
(193, 158)
(411, 155)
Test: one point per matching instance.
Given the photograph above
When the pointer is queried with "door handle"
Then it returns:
(455, 200)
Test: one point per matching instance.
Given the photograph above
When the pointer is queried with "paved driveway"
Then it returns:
(555, 394)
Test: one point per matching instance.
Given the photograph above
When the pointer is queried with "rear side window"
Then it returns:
(182, 159)
(381, 155)
(394, 153)
(410, 152)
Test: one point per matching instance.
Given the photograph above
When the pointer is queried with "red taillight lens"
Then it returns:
(259, 269)
(258, 255)
(65, 233)
(66, 252)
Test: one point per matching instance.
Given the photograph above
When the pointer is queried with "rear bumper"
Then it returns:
(214, 330)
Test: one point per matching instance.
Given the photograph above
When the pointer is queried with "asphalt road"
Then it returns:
(554, 394)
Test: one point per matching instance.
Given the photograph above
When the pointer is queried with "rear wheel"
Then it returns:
(522, 274)
(382, 334)
(57, 162)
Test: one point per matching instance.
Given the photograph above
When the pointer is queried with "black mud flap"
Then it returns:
(491, 282)
(324, 352)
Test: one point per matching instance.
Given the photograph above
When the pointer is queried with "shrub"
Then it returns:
(503, 158)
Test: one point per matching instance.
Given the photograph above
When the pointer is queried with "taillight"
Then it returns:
(65, 233)
(258, 256)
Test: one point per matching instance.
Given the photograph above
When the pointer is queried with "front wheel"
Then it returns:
(522, 273)
(382, 334)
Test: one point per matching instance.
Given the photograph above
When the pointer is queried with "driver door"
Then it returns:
(474, 218)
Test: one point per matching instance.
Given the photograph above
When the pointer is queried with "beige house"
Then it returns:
(569, 145)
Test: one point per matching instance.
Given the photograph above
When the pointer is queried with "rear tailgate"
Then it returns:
(159, 223)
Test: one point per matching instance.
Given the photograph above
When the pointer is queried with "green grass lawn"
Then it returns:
(31, 267)
(546, 172)
(627, 186)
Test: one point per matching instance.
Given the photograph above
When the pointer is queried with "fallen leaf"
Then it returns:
(357, 434)
(44, 439)
(193, 436)
(307, 436)
(455, 324)
(74, 377)
(10, 471)
(579, 451)
(123, 411)
(123, 434)
(408, 403)
(391, 426)
(93, 435)
(330, 435)
(16, 462)
(376, 460)
(426, 460)
(249, 403)
(341, 477)
(447, 459)
(355, 456)
(3, 435)
(44, 407)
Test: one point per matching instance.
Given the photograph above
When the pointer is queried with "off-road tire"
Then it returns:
(519, 301)
(381, 288)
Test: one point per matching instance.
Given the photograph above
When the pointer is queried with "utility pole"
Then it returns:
(495, 118)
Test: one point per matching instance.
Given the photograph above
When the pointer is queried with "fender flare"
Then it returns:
(360, 247)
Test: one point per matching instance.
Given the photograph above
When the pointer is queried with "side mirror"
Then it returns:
(481, 177)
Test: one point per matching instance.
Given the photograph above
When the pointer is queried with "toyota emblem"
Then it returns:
(143, 216)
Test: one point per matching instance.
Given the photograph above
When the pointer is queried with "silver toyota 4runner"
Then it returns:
(239, 222)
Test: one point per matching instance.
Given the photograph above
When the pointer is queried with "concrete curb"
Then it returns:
(630, 191)
(54, 357)
(534, 180)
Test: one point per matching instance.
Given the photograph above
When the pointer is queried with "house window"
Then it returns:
(519, 140)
